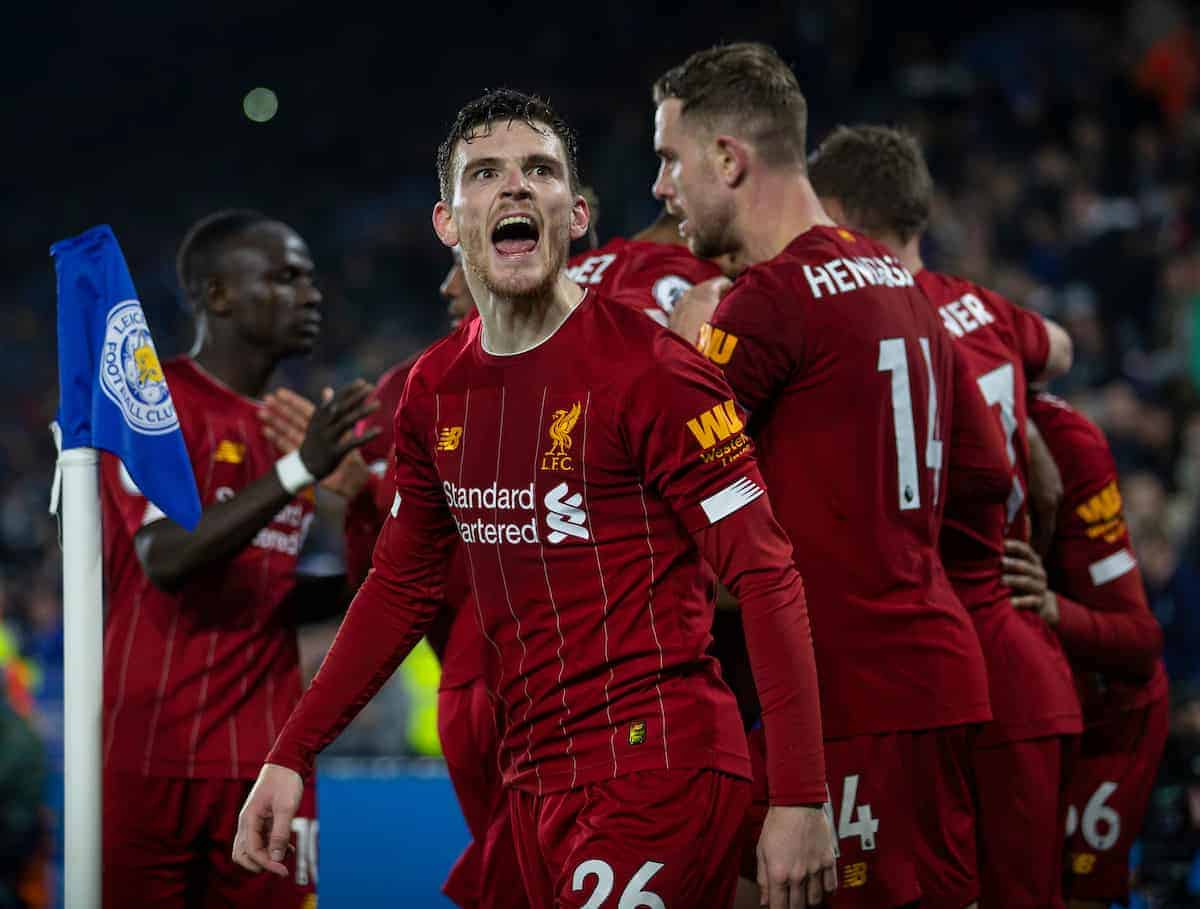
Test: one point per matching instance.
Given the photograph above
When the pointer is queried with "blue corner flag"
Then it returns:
(112, 392)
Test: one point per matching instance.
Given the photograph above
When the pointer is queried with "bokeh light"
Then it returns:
(260, 104)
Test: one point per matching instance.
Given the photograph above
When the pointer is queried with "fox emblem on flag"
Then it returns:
(131, 375)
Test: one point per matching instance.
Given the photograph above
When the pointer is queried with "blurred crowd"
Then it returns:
(1066, 148)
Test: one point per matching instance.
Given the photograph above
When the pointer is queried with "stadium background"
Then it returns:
(1065, 143)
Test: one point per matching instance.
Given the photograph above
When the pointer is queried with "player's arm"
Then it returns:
(751, 338)
(169, 554)
(389, 614)
(1045, 490)
(720, 499)
(1044, 345)
(1061, 353)
(1099, 609)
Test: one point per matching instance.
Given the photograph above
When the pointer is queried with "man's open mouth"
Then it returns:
(515, 235)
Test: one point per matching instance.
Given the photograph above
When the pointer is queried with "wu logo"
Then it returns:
(565, 518)
(557, 457)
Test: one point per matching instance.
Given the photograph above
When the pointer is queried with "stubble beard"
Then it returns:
(520, 290)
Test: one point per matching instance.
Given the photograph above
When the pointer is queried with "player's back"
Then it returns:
(1001, 343)
(848, 375)
(648, 276)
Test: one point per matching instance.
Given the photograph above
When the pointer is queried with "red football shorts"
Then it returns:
(1021, 789)
(870, 783)
(486, 875)
(943, 787)
(670, 834)
(168, 842)
(1107, 793)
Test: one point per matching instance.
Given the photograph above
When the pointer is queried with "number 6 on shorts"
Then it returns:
(632, 897)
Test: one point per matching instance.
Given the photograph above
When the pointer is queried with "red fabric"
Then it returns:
(198, 683)
(1122, 753)
(1112, 638)
(1001, 344)
(648, 277)
(1021, 819)
(486, 875)
(875, 862)
(168, 842)
(577, 489)
(944, 810)
(467, 656)
(800, 338)
(686, 822)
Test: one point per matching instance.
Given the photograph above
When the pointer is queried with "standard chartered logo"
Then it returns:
(565, 517)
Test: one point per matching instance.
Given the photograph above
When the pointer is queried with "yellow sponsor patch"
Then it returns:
(1102, 514)
(310, 902)
(637, 733)
(230, 452)
(716, 344)
(449, 438)
(854, 874)
(716, 424)
(1083, 862)
(845, 235)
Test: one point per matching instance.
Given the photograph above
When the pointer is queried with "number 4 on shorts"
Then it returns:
(865, 826)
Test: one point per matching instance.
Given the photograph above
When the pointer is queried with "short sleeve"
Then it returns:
(688, 438)
(746, 338)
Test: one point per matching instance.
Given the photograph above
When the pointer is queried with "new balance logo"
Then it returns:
(733, 497)
(565, 517)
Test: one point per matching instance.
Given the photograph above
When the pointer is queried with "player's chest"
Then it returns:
(529, 450)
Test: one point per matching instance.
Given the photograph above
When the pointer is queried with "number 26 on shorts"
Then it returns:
(634, 896)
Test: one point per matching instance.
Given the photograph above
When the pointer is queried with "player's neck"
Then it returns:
(243, 368)
(909, 255)
(790, 198)
(512, 326)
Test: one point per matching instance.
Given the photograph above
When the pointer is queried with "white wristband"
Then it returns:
(293, 475)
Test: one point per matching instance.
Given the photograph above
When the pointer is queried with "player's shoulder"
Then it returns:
(645, 255)
(1073, 438)
(645, 345)
(942, 287)
(433, 364)
(825, 261)
(590, 266)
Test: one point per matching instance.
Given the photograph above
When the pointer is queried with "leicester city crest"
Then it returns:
(130, 374)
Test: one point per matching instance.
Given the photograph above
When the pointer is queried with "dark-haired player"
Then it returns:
(875, 180)
(200, 655)
(585, 504)
(847, 374)
(1096, 604)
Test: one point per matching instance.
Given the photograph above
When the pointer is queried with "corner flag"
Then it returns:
(113, 394)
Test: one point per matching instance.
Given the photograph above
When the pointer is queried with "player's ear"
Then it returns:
(215, 297)
(443, 224)
(581, 216)
(732, 157)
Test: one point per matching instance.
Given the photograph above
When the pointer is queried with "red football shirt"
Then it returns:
(466, 657)
(647, 276)
(1030, 681)
(577, 477)
(198, 683)
(848, 375)
(1105, 623)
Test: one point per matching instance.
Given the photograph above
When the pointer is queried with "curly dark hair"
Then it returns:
(476, 118)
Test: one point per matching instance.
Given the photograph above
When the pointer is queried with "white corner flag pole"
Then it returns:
(83, 676)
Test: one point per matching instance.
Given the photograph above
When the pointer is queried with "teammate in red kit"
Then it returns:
(847, 374)
(485, 876)
(200, 655)
(585, 504)
(875, 179)
(1097, 605)
(649, 271)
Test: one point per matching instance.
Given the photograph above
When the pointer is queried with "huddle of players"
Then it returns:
(888, 407)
